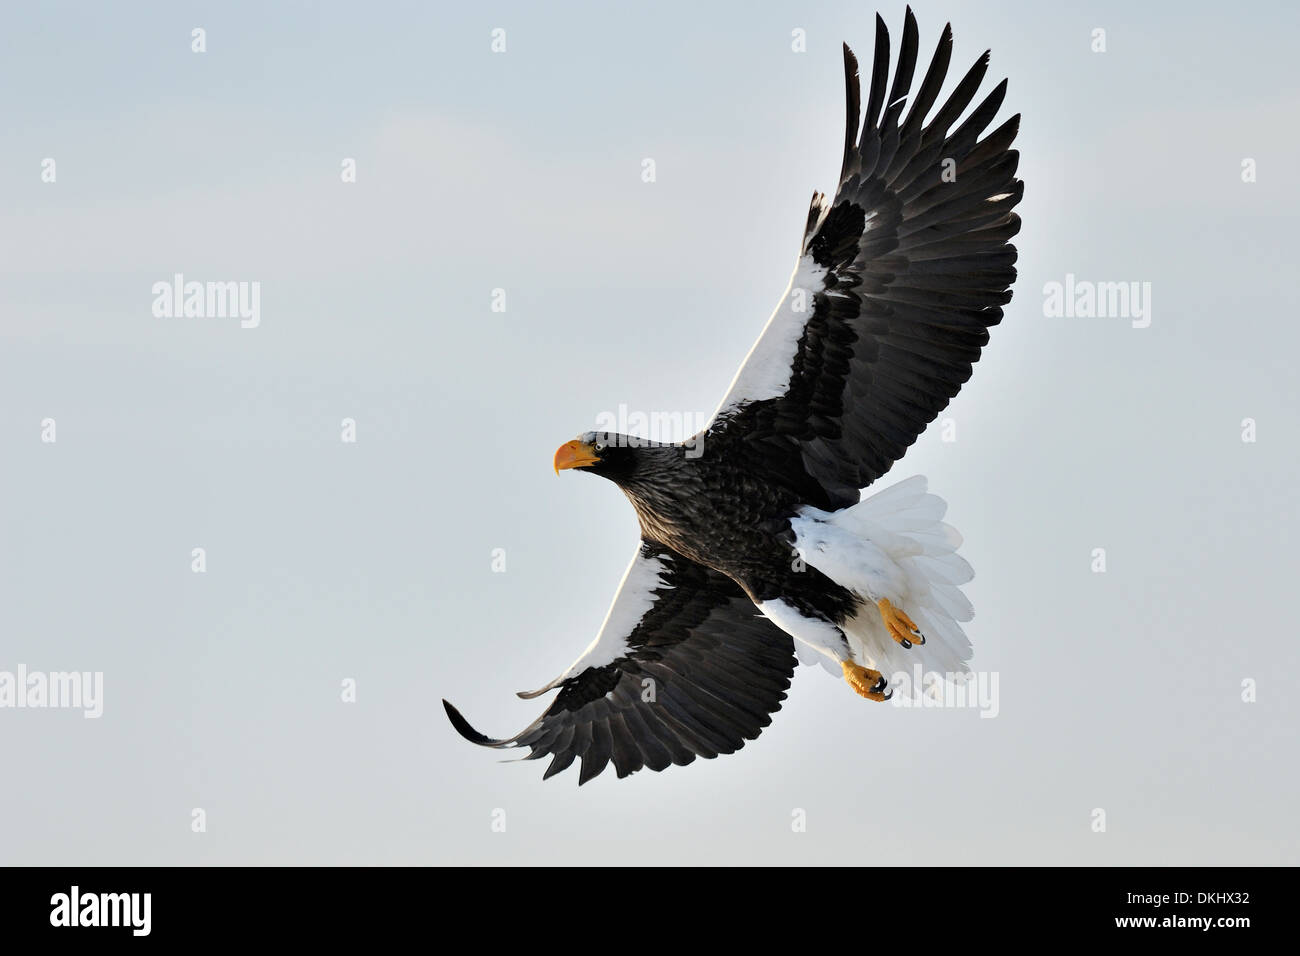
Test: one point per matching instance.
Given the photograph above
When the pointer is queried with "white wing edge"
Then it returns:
(765, 372)
(632, 601)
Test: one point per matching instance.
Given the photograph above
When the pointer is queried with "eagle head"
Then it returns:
(607, 454)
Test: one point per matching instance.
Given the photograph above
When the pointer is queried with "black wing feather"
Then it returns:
(918, 267)
(719, 670)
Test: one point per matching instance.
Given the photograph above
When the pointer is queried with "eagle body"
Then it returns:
(724, 517)
(756, 540)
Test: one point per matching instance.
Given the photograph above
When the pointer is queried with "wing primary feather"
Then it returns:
(959, 100)
(879, 74)
(931, 85)
(560, 763)
(906, 68)
(597, 755)
(852, 108)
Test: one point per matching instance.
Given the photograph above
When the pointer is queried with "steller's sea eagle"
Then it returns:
(754, 536)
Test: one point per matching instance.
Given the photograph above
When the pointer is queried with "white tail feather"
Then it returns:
(895, 545)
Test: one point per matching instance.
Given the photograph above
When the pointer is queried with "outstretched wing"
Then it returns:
(899, 280)
(684, 666)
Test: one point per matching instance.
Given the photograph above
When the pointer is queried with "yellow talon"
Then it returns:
(900, 627)
(865, 682)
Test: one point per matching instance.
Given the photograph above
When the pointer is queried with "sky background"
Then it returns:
(372, 560)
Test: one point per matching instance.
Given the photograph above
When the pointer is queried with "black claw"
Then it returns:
(906, 644)
(889, 696)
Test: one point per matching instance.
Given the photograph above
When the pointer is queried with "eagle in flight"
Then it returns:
(755, 538)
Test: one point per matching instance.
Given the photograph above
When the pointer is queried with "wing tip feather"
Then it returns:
(466, 729)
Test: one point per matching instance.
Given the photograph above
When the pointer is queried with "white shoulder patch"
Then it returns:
(634, 598)
(765, 372)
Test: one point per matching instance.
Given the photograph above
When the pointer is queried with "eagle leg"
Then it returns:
(866, 682)
(900, 627)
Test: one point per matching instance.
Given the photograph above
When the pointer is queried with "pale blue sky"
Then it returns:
(522, 171)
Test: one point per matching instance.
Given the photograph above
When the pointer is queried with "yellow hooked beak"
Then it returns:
(575, 454)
